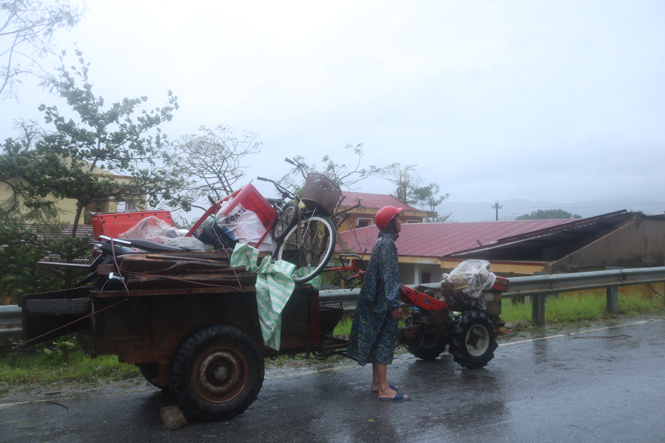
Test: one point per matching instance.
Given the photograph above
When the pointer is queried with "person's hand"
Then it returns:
(397, 313)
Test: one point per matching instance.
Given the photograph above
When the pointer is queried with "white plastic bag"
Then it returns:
(158, 231)
(151, 229)
(472, 277)
(246, 226)
(187, 243)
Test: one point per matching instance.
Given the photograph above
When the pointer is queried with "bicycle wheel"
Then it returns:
(287, 219)
(309, 245)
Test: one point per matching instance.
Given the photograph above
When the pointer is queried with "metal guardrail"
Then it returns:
(537, 286)
(10, 321)
(555, 283)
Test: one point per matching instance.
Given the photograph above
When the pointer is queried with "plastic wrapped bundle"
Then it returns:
(468, 281)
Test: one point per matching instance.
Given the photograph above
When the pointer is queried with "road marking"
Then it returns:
(641, 322)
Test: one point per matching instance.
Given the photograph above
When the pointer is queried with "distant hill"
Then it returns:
(466, 211)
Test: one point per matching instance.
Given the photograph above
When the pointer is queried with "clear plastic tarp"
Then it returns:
(158, 231)
(471, 278)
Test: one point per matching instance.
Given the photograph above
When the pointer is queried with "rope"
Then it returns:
(656, 292)
(22, 343)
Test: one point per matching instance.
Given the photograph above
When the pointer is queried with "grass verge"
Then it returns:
(576, 307)
(43, 369)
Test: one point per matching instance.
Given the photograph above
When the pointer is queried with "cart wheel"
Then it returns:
(424, 346)
(287, 219)
(473, 339)
(216, 373)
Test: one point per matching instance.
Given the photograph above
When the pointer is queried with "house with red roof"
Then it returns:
(521, 247)
(357, 210)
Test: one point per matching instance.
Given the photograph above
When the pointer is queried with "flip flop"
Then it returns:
(394, 388)
(398, 397)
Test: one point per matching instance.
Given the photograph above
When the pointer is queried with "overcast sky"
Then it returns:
(492, 100)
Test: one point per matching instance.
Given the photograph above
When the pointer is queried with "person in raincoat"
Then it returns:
(374, 330)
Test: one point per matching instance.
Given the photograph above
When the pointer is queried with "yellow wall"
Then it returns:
(356, 213)
(67, 207)
(503, 268)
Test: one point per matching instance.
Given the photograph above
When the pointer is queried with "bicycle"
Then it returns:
(300, 226)
(304, 233)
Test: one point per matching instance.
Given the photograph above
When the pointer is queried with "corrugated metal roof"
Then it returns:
(444, 239)
(577, 227)
(439, 239)
(374, 201)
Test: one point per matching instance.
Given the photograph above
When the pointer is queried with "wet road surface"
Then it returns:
(603, 385)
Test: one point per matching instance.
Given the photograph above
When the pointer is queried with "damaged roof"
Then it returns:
(564, 233)
(469, 240)
(373, 201)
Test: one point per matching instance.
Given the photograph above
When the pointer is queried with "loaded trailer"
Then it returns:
(190, 323)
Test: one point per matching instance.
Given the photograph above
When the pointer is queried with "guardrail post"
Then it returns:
(538, 306)
(612, 295)
(538, 309)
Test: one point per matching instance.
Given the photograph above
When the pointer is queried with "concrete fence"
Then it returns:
(537, 287)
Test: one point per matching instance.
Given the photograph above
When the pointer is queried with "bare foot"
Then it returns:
(375, 388)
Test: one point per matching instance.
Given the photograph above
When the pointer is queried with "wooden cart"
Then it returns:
(189, 322)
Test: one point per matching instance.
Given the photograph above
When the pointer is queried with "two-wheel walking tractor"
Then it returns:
(190, 323)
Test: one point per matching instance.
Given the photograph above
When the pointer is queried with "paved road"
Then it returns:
(604, 385)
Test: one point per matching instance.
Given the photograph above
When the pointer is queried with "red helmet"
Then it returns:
(384, 216)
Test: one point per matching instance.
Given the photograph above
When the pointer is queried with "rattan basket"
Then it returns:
(321, 192)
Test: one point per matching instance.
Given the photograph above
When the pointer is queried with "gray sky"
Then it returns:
(493, 100)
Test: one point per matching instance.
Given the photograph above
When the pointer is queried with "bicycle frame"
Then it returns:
(257, 203)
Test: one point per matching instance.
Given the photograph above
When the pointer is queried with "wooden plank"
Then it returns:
(150, 264)
(175, 291)
(58, 306)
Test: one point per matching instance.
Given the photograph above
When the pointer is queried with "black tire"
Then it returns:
(424, 346)
(216, 373)
(287, 219)
(309, 245)
(473, 339)
(150, 371)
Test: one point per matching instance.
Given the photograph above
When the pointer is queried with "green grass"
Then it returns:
(344, 325)
(39, 368)
(572, 307)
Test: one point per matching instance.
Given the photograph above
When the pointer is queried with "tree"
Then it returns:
(24, 246)
(399, 176)
(548, 214)
(345, 176)
(409, 190)
(26, 31)
(61, 164)
(214, 161)
(428, 197)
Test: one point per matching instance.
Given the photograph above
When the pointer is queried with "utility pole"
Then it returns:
(497, 207)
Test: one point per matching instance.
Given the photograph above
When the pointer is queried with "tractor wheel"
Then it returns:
(473, 339)
(424, 346)
(216, 373)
